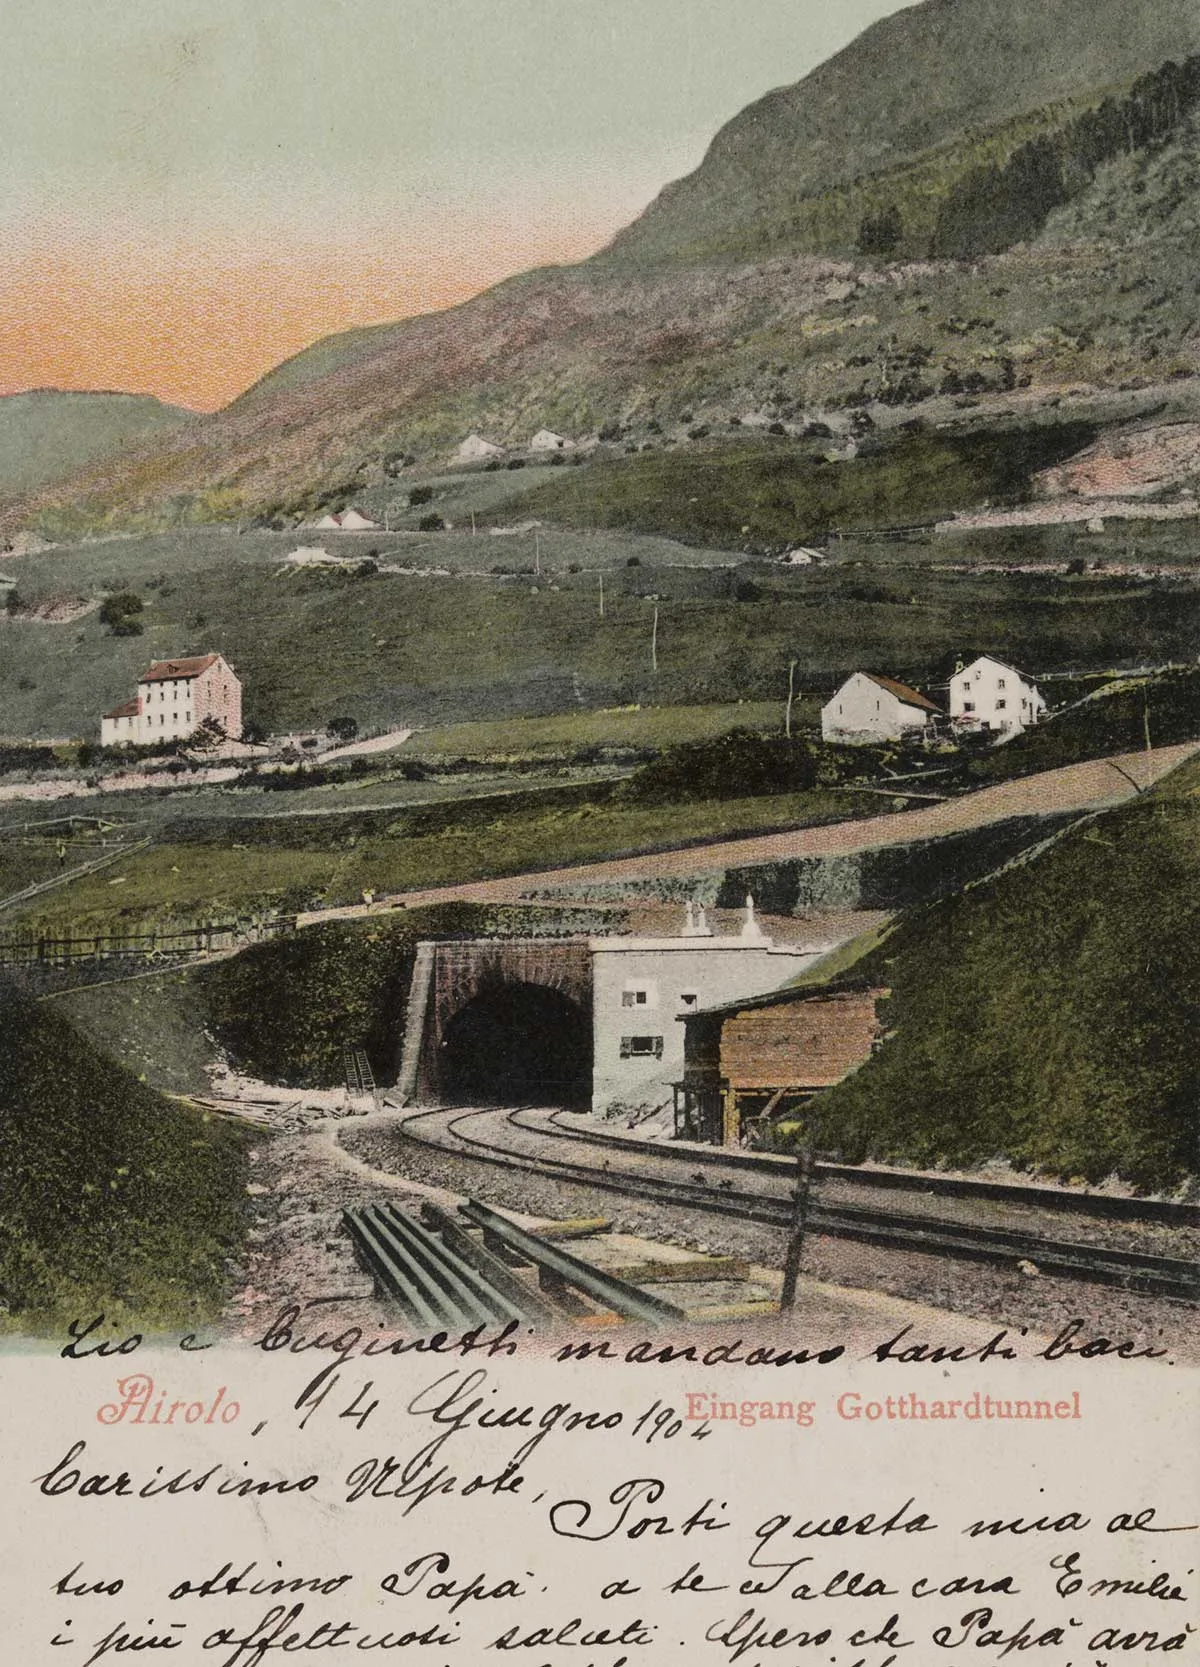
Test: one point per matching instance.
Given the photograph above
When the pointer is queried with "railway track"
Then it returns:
(1095, 1206)
(1133, 1270)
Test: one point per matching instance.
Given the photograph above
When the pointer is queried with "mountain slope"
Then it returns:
(112, 1198)
(1047, 1015)
(909, 83)
(47, 434)
(650, 341)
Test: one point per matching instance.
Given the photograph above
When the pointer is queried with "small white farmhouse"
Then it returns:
(347, 521)
(546, 440)
(869, 708)
(475, 449)
(988, 695)
(354, 521)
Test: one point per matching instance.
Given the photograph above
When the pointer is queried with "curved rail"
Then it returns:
(1165, 1212)
(1140, 1271)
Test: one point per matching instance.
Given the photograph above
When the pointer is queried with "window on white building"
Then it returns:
(635, 995)
(968, 706)
(641, 1047)
(1000, 705)
(999, 682)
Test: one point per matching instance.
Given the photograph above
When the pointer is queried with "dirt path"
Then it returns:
(1089, 786)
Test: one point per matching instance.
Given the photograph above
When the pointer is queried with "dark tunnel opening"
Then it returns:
(517, 1044)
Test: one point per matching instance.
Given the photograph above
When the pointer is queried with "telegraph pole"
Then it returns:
(787, 722)
(801, 1199)
(654, 641)
(601, 596)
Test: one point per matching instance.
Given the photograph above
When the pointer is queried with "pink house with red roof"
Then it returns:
(174, 698)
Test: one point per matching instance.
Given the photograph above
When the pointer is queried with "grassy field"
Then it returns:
(115, 1200)
(25, 863)
(152, 1026)
(635, 727)
(210, 871)
(471, 645)
(1048, 1015)
(313, 645)
(438, 651)
(776, 490)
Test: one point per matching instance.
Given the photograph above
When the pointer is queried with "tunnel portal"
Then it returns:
(499, 1021)
(517, 1044)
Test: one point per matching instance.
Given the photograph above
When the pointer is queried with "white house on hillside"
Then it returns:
(546, 440)
(347, 521)
(475, 449)
(174, 698)
(869, 708)
(988, 695)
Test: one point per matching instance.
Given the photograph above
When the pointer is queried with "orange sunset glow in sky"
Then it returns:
(197, 326)
(194, 190)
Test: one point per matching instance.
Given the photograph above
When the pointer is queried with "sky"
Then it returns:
(193, 190)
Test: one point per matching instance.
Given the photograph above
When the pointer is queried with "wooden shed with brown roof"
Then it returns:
(748, 1062)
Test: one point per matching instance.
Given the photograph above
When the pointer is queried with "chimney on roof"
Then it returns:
(752, 932)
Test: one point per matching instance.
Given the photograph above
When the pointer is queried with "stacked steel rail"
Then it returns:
(440, 1276)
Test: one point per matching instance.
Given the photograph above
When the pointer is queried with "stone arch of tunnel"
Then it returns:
(517, 1044)
(499, 1021)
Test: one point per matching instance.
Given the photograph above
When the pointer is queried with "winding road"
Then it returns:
(1094, 785)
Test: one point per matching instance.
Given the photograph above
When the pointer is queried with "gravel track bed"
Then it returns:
(1041, 1304)
(1147, 1237)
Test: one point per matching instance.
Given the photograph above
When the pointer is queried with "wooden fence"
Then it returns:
(47, 948)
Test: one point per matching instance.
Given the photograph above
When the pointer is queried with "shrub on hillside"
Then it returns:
(21, 755)
(881, 234)
(738, 765)
(120, 612)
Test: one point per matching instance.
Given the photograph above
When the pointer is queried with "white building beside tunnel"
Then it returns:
(643, 987)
